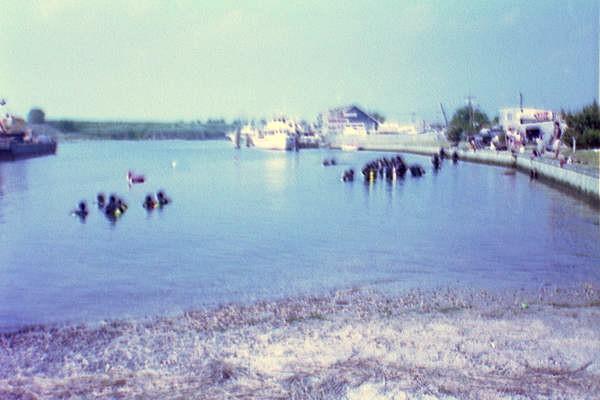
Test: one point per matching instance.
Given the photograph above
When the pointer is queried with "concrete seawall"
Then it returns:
(583, 183)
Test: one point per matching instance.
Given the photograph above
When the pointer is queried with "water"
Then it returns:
(250, 224)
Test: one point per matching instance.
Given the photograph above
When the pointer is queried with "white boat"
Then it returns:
(278, 134)
(308, 141)
(242, 134)
(348, 147)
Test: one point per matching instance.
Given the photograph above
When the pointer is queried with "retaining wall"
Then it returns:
(585, 184)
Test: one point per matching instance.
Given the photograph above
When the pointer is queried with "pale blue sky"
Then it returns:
(186, 59)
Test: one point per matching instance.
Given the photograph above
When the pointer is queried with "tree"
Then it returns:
(36, 116)
(584, 126)
(465, 122)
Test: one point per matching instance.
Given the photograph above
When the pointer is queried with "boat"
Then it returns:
(348, 147)
(247, 133)
(278, 134)
(308, 141)
(13, 149)
(17, 140)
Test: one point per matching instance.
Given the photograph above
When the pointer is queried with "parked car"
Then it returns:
(485, 136)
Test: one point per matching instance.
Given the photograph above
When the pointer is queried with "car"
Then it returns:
(485, 136)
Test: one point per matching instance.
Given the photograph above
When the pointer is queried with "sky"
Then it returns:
(194, 59)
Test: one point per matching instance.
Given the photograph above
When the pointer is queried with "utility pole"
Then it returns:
(470, 100)
(521, 100)
(444, 114)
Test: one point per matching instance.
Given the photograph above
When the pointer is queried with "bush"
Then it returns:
(64, 125)
(466, 121)
(454, 134)
(584, 126)
(591, 138)
(36, 116)
(569, 134)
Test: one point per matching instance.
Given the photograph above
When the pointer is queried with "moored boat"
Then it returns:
(278, 134)
(17, 140)
(13, 149)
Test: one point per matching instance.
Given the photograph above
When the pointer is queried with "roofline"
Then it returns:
(356, 106)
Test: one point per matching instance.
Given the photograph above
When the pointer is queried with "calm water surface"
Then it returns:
(251, 224)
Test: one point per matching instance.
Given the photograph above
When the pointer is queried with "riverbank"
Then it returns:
(583, 180)
(352, 344)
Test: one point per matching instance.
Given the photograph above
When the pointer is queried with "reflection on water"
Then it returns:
(13, 183)
(275, 171)
(13, 176)
(248, 224)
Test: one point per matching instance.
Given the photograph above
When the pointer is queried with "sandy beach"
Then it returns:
(354, 344)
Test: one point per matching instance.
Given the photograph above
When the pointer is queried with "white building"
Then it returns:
(516, 117)
(348, 120)
(530, 123)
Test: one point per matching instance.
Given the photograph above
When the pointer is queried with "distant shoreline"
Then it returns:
(67, 130)
(446, 343)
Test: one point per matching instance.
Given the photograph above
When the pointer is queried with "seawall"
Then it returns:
(584, 182)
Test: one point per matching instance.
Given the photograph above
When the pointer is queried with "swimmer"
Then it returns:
(150, 202)
(162, 198)
(82, 210)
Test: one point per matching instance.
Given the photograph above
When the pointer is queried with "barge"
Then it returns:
(18, 141)
(18, 148)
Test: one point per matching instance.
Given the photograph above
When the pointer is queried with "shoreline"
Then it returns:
(584, 185)
(445, 343)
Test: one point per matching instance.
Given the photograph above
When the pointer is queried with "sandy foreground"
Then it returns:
(441, 344)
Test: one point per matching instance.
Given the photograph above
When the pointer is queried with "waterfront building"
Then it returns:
(530, 123)
(348, 120)
(515, 117)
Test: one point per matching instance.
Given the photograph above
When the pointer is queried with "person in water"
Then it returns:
(82, 210)
(121, 205)
(111, 207)
(443, 153)
(115, 207)
(101, 200)
(162, 198)
(416, 170)
(436, 161)
(150, 202)
(348, 175)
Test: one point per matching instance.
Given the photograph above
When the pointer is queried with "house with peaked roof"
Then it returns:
(348, 119)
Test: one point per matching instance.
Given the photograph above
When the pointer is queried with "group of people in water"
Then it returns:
(116, 206)
(395, 167)
(151, 202)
